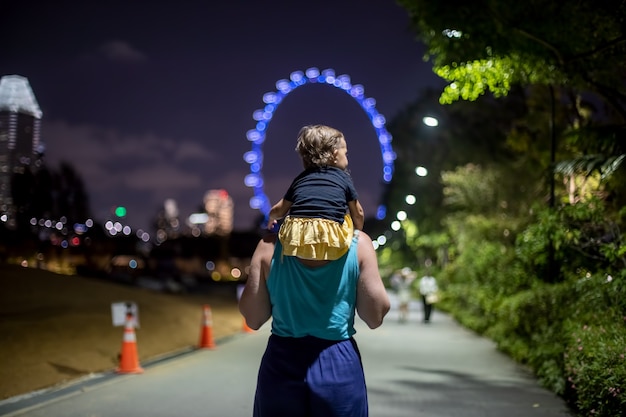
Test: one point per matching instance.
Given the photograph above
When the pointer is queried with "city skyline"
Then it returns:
(151, 111)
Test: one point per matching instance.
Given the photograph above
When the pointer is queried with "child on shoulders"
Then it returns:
(321, 209)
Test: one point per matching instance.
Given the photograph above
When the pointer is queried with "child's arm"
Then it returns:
(278, 211)
(356, 212)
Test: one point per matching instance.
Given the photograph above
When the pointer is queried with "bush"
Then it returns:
(595, 364)
(568, 324)
(528, 329)
(572, 334)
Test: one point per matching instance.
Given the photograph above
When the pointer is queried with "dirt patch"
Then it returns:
(56, 328)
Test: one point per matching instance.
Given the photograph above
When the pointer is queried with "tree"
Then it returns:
(568, 57)
(524, 272)
(42, 199)
(491, 45)
(73, 200)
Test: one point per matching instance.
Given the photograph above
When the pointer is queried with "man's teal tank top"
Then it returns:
(318, 301)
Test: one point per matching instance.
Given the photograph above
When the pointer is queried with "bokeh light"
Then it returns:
(430, 121)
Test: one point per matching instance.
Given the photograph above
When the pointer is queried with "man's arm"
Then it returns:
(255, 300)
(372, 301)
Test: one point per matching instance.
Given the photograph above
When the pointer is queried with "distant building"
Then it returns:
(220, 209)
(20, 119)
(167, 222)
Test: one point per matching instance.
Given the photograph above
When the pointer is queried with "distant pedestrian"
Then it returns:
(321, 205)
(429, 291)
(401, 282)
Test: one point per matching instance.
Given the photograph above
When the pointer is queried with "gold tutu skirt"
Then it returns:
(315, 238)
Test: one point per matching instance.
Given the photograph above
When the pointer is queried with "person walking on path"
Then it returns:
(402, 282)
(312, 365)
(316, 205)
(428, 290)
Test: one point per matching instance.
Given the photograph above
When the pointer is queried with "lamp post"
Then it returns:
(553, 268)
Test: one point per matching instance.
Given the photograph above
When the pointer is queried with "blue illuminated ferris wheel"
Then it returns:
(263, 117)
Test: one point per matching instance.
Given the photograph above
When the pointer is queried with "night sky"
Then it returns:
(152, 100)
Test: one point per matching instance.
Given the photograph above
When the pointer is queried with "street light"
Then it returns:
(421, 171)
(430, 121)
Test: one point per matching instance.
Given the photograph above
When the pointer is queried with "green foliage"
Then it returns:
(494, 285)
(529, 329)
(588, 164)
(469, 80)
(467, 304)
(545, 327)
(527, 68)
(477, 281)
(389, 259)
(596, 368)
(595, 364)
(583, 236)
(493, 44)
(470, 188)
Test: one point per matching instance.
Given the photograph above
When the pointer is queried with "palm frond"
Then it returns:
(588, 164)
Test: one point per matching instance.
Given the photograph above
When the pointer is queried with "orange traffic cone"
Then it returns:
(246, 328)
(129, 360)
(206, 333)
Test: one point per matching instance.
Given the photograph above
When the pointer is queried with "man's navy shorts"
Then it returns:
(310, 377)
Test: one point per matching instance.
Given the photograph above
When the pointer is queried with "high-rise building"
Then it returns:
(20, 119)
(167, 221)
(219, 208)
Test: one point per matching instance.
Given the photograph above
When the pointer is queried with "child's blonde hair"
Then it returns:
(316, 145)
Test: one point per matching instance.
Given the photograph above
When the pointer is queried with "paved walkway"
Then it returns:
(441, 369)
(412, 369)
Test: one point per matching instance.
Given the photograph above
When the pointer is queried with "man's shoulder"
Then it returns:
(364, 243)
(363, 236)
